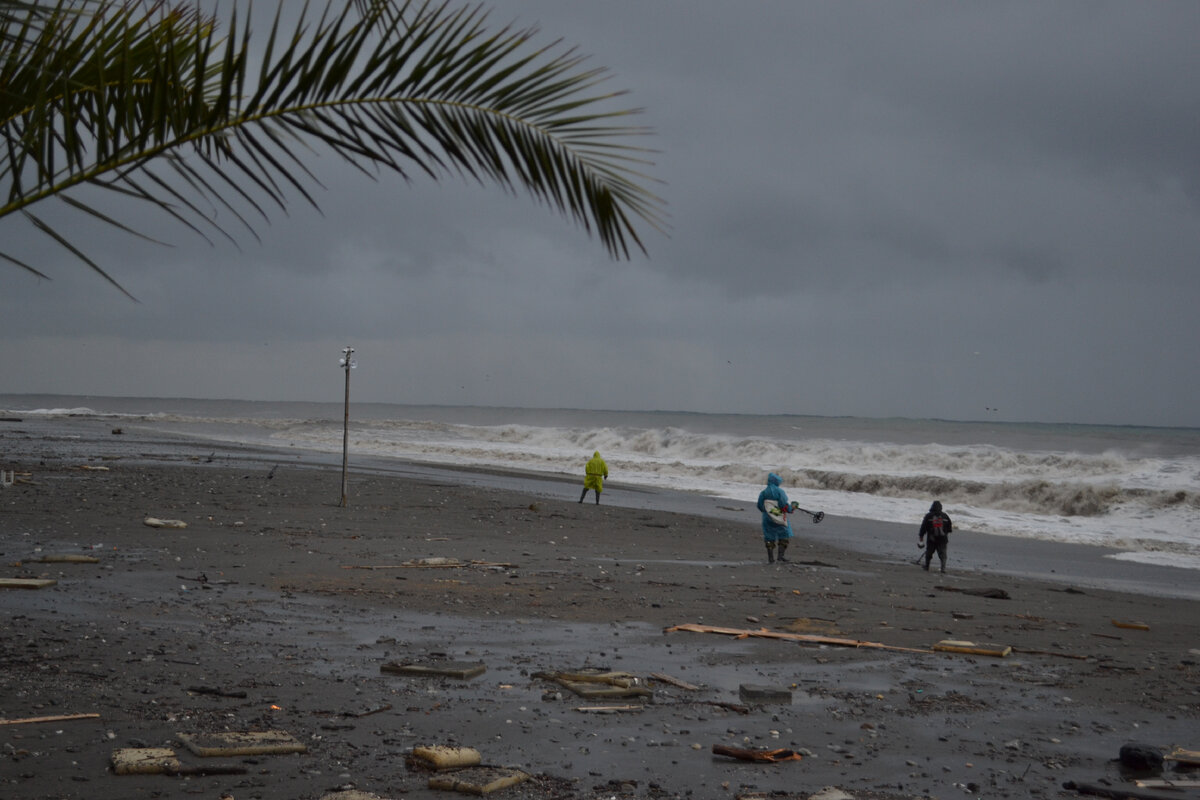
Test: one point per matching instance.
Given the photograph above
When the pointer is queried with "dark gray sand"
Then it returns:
(276, 609)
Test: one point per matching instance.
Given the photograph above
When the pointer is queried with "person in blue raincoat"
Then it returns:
(594, 474)
(774, 533)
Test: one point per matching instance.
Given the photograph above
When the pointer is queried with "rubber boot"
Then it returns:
(782, 550)
(770, 554)
(583, 495)
(597, 498)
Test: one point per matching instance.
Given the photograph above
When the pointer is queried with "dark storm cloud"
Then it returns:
(921, 209)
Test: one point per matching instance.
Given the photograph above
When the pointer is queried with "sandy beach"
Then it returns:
(275, 609)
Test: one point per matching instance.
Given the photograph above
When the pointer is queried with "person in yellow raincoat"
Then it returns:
(594, 474)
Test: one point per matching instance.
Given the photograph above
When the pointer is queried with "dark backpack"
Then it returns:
(937, 526)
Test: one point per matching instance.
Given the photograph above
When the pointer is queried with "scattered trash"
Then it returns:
(462, 670)
(1133, 626)
(596, 683)
(155, 522)
(440, 756)
(995, 594)
(437, 562)
(765, 694)
(763, 633)
(351, 794)
(1114, 794)
(658, 676)
(242, 743)
(1190, 758)
(26, 583)
(1166, 783)
(609, 709)
(67, 558)
(162, 761)
(970, 648)
(762, 756)
(478, 780)
(55, 718)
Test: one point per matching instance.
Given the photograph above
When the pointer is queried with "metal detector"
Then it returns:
(817, 516)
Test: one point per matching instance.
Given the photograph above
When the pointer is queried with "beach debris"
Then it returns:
(1133, 626)
(752, 692)
(351, 794)
(737, 707)
(831, 793)
(1115, 794)
(7, 478)
(761, 756)
(213, 690)
(368, 712)
(67, 558)
(663, 678)
(970, 648)
(1166, 783)
(460, 670)
(1076, 656)
(91, 468)
(441, 756)
(434, 562)
(826, 627)
(155, 522)
(54, 718)
(241, 743)
(478, 780)
(609, 709)
(26, 583)
(994, 594)
(1136, 755)
(1190, 758)
(763, 633)
(598, 683)
(162, 761)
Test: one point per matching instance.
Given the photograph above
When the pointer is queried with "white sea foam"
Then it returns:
(1137, 490)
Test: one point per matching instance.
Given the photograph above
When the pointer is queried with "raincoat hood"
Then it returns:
(774, 480)
(936, 508)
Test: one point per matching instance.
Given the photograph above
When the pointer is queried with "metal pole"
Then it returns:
(348, 364)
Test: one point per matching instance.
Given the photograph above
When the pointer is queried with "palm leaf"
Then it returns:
(94, 92)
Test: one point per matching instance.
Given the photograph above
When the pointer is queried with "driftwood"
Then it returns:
(810, 638)
(658, 676)
(56, 718)
(1113, 794)
(215, 691)
(972, 649)
(995, 594)
(762, 756)
(1133, 626)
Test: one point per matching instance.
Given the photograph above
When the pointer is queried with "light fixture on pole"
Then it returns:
(347, 363)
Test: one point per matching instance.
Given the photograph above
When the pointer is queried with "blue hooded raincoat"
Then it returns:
(772, 531)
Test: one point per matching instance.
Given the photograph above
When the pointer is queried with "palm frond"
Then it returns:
(94, 92)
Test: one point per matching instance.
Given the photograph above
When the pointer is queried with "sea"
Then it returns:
(1135, 489)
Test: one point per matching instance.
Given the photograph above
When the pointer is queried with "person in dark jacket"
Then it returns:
(935, 534)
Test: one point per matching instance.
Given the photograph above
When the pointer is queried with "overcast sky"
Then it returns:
(935, 209)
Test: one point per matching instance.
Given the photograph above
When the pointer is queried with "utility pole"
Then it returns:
(347, 363)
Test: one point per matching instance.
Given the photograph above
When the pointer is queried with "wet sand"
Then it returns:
(277, 609)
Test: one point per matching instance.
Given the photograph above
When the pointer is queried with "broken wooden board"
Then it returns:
(478, 780)
(659, 676)
(67, 558)
(809, 638)
(433, 563)
(155, 522)
(351, 794)
(1189, 757)
(970, 648)
(242, 743)
(162, 761)
(1133, 626)
(460, 670)
(440, 756)
(597, 684)
(26, 583)
(609, 709)
(144, 760)
(1166, 783)
(54, 718)
(762, 756)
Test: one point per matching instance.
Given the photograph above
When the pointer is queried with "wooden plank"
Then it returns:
(241, 743)
(1133, 626)
(55, 718)
(26, 583)
(461, 670)
(658, 676)
(763, 633)
(478, 780)
(970, 648)
(441, 756)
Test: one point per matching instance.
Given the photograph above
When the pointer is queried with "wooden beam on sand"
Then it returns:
(808, 638)
(55, 718)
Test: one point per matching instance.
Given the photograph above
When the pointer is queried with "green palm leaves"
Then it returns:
(165, 106)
